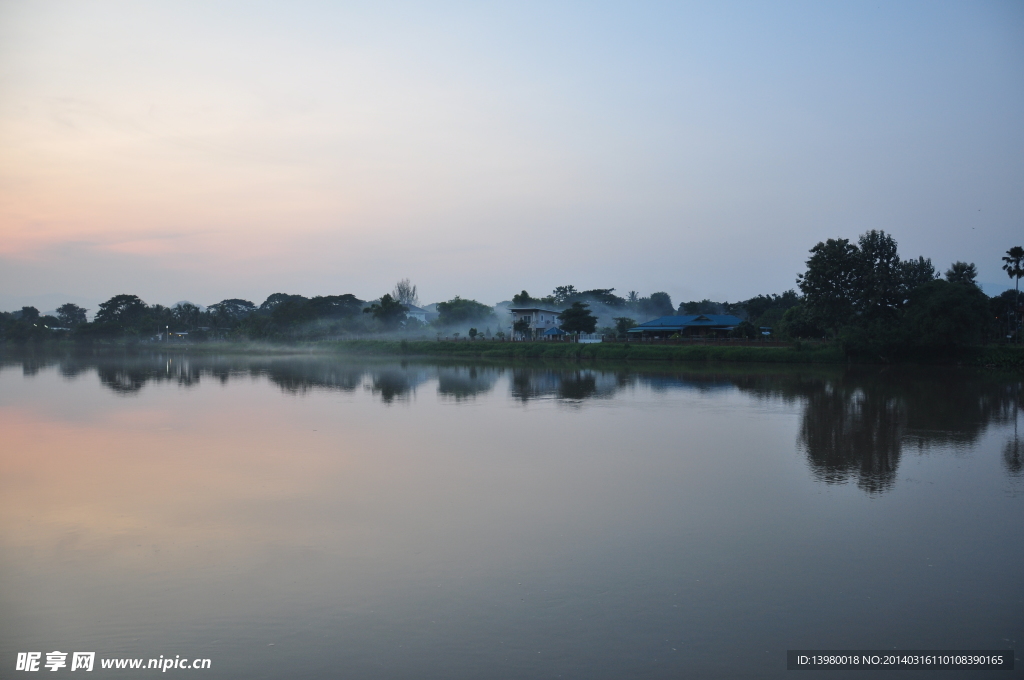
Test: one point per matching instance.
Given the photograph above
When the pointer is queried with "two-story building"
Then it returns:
(538, 320)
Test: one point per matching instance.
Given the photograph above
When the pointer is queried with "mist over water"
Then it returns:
(313, 516)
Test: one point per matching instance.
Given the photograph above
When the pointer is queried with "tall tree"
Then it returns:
(459, 311)
(940, 314)
(1014, 267)
(917, 273)
(830, 283)
(523, 299)
(661, 304)
(405, 293)
(756, 307)
(126, 310)
(275, 299)
(961, 272)
(231, 309)
(578, 319)
(704, 306)
(623, 324)
(604, 296)
(335, 306)
(185, 314)
(71, 315)
(562, 294)
(389, 311)
(882, 280)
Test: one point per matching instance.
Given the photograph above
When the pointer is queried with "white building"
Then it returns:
(420, 314)
(539, 320)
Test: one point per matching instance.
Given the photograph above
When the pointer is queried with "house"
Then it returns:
(539, 321)
(690, 325)
(420, 314)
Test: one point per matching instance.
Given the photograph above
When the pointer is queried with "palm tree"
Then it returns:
(1014, 268)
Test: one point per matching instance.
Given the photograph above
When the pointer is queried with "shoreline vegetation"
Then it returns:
(858, 303)
(1003, 357)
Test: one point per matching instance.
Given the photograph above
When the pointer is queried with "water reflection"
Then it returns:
(573, 385)
(392, 384)
(1012, 452)
(853, 433)
(299, 377)
(465, 382)
(855, 424)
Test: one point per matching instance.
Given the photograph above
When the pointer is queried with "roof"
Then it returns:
(554, 331)
(532, 309)
(676, 323)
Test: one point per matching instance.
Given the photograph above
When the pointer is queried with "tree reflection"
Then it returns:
(302, 376)
(853, 433)
(397, 383)
(530, 383)
(461, 382)
(577, 386)
(128, 378)
(122, 380)
(856, 422)
(568, 385)
(1012, 452)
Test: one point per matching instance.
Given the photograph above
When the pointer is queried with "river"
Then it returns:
(319, 517)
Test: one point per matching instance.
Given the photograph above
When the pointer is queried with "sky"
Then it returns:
(209, 150)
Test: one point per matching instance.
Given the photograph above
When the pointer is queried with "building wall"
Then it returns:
(540, 321)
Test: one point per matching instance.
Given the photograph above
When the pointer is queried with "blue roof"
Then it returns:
(670, 323)
(554, 331)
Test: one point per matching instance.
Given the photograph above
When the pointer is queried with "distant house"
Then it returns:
(420, 314)
(690, 325)
(540, 321)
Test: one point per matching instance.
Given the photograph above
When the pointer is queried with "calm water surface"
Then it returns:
(320, 518)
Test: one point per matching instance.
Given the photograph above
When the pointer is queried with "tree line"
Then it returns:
(861, 294)
(866, 296)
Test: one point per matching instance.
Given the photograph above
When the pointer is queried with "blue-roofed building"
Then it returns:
(688, 325)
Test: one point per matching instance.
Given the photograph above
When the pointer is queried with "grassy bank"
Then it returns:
(1000, 356)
